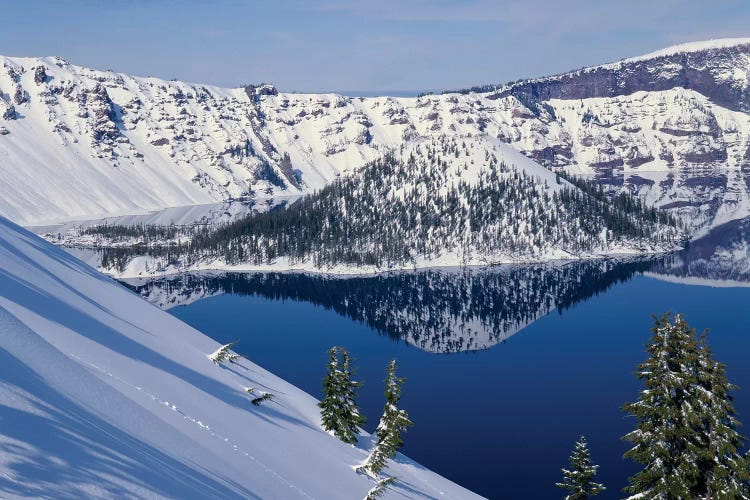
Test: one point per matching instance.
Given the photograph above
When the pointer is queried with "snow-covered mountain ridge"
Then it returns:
(671, 126)
(103, 395)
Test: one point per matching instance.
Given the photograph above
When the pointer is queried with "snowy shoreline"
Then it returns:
(141, 267)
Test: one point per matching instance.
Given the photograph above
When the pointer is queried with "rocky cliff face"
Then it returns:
(717, 70)
(672, 127)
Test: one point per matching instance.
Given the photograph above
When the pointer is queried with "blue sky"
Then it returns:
(357, 45)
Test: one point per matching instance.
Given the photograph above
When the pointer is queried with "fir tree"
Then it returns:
(339, 411)
(687, 436)
(579, 479)
(265, 396)
(724, 470)
(381, 486)
(393, 422)
(666, 440)
(224, 353)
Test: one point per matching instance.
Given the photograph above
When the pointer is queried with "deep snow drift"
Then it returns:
(105, 395)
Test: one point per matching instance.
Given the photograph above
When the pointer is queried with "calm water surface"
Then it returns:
(496, 405)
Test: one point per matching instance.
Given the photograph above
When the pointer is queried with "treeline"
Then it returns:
(396, 211)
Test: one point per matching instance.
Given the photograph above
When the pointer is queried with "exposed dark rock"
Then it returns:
(710, 156)
(636, 180)
(607, 164)
(20, 96)
(699, 71)
(709, 181)
(288, 170)
(10, 112)
(40, 75)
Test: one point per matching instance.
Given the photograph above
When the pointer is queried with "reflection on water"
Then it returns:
(452, 310)
(722, 257)
(436, 310)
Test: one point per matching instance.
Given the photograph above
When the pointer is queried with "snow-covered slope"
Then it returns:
(672, 126)
(434, 203)
(104, 395)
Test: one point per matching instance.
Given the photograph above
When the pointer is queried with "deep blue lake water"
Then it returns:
(500, 420)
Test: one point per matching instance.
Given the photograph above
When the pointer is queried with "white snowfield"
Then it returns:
(78, 143)
(718, 43)
(104, 395)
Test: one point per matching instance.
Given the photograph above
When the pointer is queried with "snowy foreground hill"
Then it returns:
(105, 395)
(672, 126)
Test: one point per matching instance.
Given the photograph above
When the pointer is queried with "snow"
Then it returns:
(699, 46)
(54, 171)
(104, 395)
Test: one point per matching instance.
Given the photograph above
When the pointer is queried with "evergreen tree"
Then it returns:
(393, 422)
(339, 411)
(687, 436)
(266, 396)
(224, 353)
(667, 440)
(579, 480)
(381, 486)
(724, 470)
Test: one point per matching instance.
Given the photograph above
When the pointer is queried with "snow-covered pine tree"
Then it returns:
(338, 409)
(667, 440)
(724, 470)
(351, 418)
(381, 486)
(579, 479)
(330, 405)
(393, 422)
(224, 353)
(265, 396)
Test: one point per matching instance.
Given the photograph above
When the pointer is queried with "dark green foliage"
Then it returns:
(393, 212)
(579, 479)
(686, 436)
(393, 423)
(338, 409)
(724, 470)
(266, 396)
(380, 488)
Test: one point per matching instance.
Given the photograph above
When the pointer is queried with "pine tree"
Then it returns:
(339, 411)
(265, 396)
(393, 422)
(381, 486)
(579, 480)
(666, 440)
(724, 470)
(687, 436)
(224, 353)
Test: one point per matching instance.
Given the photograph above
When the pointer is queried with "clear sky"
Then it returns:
(357, 45)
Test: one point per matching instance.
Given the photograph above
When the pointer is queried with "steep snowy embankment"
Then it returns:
(104, 395)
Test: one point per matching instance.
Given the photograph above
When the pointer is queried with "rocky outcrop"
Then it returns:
(708, 72)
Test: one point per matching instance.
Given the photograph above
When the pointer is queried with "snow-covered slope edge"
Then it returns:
(105, 395)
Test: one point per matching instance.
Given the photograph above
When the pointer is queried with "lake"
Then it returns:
(505, 367)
